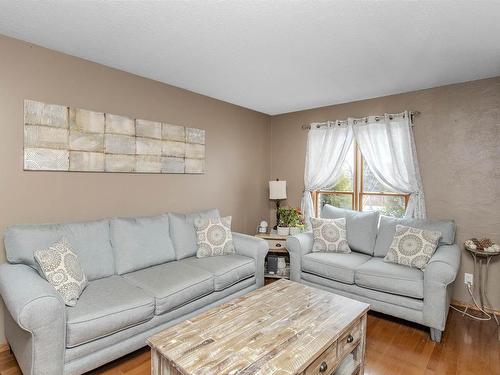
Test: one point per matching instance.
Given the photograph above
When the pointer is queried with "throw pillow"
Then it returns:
(213, 236)
(412, 247)
(330, 235)
(61, 268)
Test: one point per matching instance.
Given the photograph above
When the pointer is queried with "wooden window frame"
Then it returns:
(358, 193)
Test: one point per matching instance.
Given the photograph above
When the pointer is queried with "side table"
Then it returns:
(482, 261)
(276, 246)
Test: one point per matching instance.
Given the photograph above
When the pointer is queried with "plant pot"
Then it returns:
(295, 230)
(283, 231)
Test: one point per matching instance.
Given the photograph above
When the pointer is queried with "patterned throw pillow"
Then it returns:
(61, 268)
(330, 235)
(412, 247)
(213, 236)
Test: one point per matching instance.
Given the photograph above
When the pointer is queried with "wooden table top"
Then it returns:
(278, 329)
(271, 236)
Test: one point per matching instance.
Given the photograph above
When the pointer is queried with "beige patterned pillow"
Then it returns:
(61, 268)
(214, 236)
(330, 235)
(412, 247)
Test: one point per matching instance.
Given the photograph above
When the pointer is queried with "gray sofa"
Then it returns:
(143, 277)
(408, 293)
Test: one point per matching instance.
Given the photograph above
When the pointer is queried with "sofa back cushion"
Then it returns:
(89, 240)
(183, 233)
(361, 227)
(141, 242)
(387, 229)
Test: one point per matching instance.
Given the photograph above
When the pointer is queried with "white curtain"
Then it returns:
(326, 150)
(388, 146)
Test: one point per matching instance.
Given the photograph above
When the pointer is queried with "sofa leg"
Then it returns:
(436, 335)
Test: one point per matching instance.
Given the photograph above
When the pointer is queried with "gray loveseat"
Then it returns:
(408, 293)
(143, 276)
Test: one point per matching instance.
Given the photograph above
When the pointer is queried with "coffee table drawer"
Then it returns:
(349, 340)
(325, 363)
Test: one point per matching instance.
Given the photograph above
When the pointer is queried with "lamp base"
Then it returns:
(277, 214)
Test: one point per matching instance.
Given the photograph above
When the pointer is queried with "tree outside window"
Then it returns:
(358, 189)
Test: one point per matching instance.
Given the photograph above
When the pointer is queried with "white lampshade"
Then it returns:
(277, 189)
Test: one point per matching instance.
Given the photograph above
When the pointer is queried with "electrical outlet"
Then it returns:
(469, 278)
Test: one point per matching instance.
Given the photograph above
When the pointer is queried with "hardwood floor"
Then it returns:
(394, 347)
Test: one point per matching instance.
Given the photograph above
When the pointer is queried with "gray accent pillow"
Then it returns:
(90, 241)
(61, 268)
(361, 227)
(214, 236)
(387, 229)
(183, 233)
(141, 242)
(329, 235)
(412, 247)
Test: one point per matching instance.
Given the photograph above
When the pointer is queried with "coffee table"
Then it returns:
(283, 328)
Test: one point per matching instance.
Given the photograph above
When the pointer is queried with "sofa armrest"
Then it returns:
(444, 265)
(32, 302)
(35, 307)
(252, 247)
(298, 246)
(439, 276)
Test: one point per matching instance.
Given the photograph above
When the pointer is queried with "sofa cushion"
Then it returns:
(106, 306)
(172, 284)
(391, 278)
(334, 266)
(361, 227)
(387, 229)
(183, 233)
(227, 269)
(89, 240)
(141, 242)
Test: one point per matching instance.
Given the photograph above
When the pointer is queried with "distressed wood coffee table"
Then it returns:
(283, 328)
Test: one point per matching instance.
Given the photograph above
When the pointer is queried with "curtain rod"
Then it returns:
(412, 115)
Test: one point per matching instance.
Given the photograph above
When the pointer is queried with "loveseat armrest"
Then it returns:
(439, 276)
(443, 265)
(252, 247)
(35, 307)
(298, 246)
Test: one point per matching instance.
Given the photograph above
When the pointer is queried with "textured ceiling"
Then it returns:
(273, 56)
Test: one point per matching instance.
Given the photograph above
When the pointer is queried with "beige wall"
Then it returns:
(458, 145)
(237, 151)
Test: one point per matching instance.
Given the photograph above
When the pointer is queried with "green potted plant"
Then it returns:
(296, 222)
(284, 221)
(290, 222)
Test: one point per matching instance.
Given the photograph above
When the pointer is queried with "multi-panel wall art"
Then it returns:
(60, 138)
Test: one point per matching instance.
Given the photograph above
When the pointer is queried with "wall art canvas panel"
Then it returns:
(60, 138)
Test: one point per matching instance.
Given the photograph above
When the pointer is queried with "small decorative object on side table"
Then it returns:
(482, 252)
(262, 227)
(277, 248)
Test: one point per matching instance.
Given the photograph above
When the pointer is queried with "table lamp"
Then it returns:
(277, 192)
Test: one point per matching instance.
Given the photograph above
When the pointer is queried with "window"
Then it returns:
(358, 189)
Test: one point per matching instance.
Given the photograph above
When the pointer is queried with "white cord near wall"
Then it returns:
(482, 307)
(465, 313)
